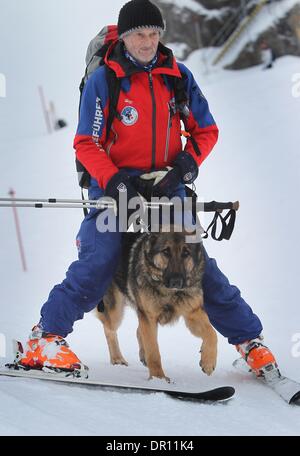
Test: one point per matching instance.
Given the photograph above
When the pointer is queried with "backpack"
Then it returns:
(94, 58)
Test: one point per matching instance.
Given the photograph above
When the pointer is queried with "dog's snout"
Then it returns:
(175, 281)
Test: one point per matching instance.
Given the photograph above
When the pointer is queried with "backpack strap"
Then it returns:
(188, 135)
(114, 89)
(182, 105)
(181, 97)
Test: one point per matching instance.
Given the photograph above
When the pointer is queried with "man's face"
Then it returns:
(142, 44)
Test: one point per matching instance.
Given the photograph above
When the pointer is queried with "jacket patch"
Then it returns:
(129, 116)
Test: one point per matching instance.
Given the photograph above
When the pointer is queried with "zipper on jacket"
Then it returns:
(168, 134)
(153, 121)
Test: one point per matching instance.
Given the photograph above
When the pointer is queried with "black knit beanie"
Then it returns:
(137, 14)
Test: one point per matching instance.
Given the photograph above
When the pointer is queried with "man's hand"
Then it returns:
(144, 184)
(167, 183)
(187, 166)
(122, 191)
(185, 170)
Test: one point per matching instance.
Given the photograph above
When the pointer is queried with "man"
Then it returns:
(145, 136)
(267, 56)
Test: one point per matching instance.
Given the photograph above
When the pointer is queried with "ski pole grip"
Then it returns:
(215, 206)
(236, 205)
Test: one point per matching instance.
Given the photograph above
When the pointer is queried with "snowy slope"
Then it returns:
(257, 161)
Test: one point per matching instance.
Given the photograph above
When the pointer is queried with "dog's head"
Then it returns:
(172, 262)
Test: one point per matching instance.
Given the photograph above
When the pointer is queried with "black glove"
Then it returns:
(122, 191)
(168, 184)
(185, 170)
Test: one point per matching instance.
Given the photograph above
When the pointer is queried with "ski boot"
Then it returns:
(259, 358)
(49, 353)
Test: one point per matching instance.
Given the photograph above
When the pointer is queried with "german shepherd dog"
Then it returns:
(160, 274)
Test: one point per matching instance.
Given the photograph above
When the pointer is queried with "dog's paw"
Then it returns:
(162, 377)
(157, 372)
(207, 369)
(207, 364)
(120, 361)
(143, 361)
(143, 358)
(208, 359)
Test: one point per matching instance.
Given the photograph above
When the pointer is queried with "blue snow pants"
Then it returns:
(88, 278)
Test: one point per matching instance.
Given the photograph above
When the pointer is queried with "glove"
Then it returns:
(187, 166)
(185, 171)
(122, 191)
(144, 183)
(167, 184)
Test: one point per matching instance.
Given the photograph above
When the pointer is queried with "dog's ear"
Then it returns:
(149, 248)
(150, 241)
(153, 238)
(198, 252)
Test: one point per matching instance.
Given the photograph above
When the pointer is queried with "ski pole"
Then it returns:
(39, 203)
(70, 203)
(101, 203)
(49, 200)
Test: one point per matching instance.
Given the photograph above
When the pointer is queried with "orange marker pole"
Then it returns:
(12, 194)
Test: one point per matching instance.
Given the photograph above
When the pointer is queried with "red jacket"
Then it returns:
(148, 136)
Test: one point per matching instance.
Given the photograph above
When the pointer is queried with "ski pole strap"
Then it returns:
(227, 222)
(85, 211)
(227, 226)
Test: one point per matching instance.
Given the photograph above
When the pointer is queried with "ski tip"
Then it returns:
(17, 346)
(222, 393)
(295, 400)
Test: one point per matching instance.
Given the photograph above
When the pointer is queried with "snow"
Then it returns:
(256, 161)
(179, 49)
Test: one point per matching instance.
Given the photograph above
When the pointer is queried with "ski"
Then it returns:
(222, 393)
(286, 388)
